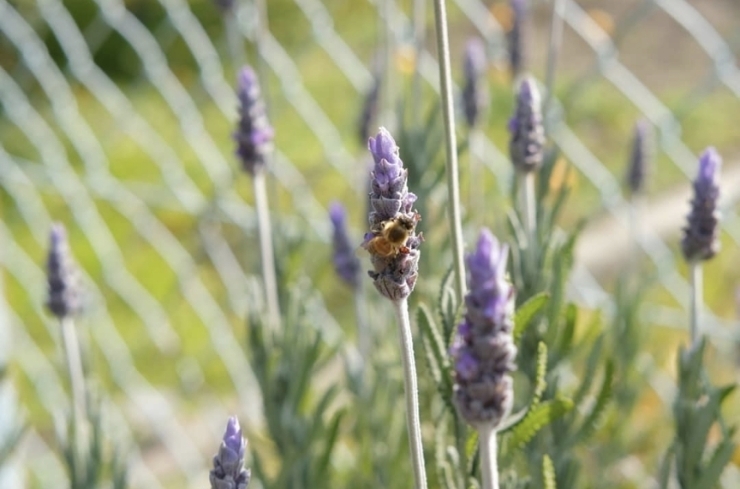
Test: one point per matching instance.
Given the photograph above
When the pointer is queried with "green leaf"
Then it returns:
(593, 359)
(527, 312)
(665, 467)
(596, 414)
(720, 458)
(330, 440)
(540, 381)
(536, 419)
(548, 473)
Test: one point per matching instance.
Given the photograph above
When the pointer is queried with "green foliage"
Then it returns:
(696, 409)
(527, 312)
(303, 423)
(548, 473)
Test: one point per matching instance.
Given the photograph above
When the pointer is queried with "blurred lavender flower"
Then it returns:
(370, 108)
(224, 5)
(254, 134)
(515, 37)
(64, 287)
(392, 241)
(527, 134)
(474, 94)
(640, 158)
(700, 234)
(346, 263)
(228, 464)
(483, 350)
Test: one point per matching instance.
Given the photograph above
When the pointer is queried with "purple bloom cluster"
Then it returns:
(394, 275)
(527, 134)
(474, 95)
(62, 276)
(483, 351)
(640, 157)
(228, 464)
(346, 263)
(700, 234)
(254, 134)
(516, 36)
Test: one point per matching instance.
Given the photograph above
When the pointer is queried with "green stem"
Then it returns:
(488, 461)
(448, 113)
(234, 38)
(413, 420)
(73, 359)
(529, 203)
(266, 249)
(695, 271)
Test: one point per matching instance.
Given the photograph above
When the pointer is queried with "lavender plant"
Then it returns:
(474, 92)
(483, 351)
(254, 136)
(88, 460)
(394, 252)
(228, 464)
(639, 161)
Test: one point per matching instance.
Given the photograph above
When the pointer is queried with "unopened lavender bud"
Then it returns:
(369, 112)
(483, 351)
(516, 36)
(527, 133)
(228, 464)
(254, 134)
(392, 241)
(700, 239)
(64, 288)
(346, 263)
(640, 157)
(474, 94)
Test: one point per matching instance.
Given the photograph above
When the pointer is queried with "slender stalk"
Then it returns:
(476, 187)
(448, 113)
(266, 250)
(411, 390)
(695, 271)
(488, 461)
(530, 210)
(73, 359)
(556, 39)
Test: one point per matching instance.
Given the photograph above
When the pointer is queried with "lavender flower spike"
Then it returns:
(640, 157)
(346, 263)
(474, 94)
(700, 234)
(527, 134)
(228, 464)
(62, 276)
(483, 351)
(254, 134)
(516, 36)
(392, 241)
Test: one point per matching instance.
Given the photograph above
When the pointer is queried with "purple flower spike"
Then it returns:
(527, 134)
(483, 350)
(346, 263)
(516, 36)
(64, 290)
(474, 94)
(700, 234)
(254, 134)
(228, 464)
(640, 158)
(392, 241)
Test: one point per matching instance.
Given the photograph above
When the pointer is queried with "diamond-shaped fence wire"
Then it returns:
(116, 119)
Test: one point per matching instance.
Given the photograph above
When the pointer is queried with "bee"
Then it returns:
(389, 237)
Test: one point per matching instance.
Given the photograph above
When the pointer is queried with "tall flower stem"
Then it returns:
(413, 421)
(266, 250)
(695, 270)
(529, 206)
(453, 178)
(234, 38)
(488, 461)
(556, 38)
(73, 360)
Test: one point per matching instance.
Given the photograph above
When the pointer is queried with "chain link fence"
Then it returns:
(116, 119)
